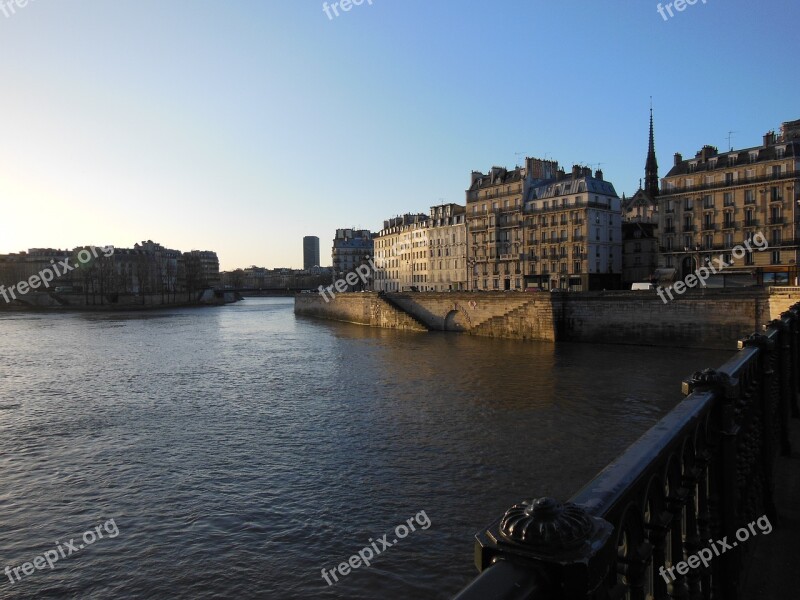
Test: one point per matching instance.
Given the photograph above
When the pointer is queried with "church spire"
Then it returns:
(651, 166)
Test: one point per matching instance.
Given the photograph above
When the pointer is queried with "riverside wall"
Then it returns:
(698, 319)
(366, 308)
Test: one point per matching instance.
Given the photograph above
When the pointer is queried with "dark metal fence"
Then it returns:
(700, 474)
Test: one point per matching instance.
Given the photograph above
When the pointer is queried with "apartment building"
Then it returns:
(351, 249)
(573, 233)
(447, 248)
(496, 243)
(401, 254)
(716, 201)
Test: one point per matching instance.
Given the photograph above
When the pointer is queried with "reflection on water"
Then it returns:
(240, 450)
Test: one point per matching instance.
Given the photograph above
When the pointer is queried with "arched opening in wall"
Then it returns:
(687, 266)
(454, 321)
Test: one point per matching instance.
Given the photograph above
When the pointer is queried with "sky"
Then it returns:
(242, 126)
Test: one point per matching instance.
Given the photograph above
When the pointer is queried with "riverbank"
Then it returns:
(712, 319)
(51, 301)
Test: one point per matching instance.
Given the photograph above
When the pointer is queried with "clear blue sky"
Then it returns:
(242, 126)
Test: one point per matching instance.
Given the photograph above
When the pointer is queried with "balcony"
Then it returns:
(788, 175)
(751, 223)
(777, 220)
(708, 227)
(669, 230)
(688, 229)
(578, 238)
(729, 225)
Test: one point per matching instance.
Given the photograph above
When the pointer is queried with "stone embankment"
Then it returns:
(703, 319)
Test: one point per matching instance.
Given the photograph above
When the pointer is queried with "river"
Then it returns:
(238, 451)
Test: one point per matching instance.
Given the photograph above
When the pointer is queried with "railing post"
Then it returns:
(761, 445)
(724, 495)
(784, 325)
(795, 359)
(574, 549)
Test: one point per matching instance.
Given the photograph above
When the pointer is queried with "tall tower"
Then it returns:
(310, 251)
(651, 166)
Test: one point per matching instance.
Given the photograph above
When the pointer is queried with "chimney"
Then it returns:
(769, 139)
(475, 176)
(576, 171)
(560, 175)
(707, 152)
(678, 158)
(598, 175)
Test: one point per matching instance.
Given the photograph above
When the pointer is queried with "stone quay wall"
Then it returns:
(699, 319)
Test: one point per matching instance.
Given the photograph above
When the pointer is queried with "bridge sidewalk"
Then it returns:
(773, 572)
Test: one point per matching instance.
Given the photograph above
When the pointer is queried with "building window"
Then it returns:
(776, 257)
(728, 178)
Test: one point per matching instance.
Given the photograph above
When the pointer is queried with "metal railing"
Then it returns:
(704, 471)
(721, 184)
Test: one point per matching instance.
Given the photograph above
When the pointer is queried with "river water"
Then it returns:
(238, 451)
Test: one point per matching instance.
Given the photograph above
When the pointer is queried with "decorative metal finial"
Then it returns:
(547, 525)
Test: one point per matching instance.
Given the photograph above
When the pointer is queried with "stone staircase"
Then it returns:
(386, 299)
(513, 319)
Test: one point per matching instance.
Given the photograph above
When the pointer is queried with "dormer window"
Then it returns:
(731, 160)
(780, 151)
(692, 166)
(753, 157)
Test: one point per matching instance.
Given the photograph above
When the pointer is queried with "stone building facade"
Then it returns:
(716, 201)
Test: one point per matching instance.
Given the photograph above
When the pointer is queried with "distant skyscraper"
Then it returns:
(310, 251)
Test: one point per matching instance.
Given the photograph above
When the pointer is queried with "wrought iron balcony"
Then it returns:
(789, 175)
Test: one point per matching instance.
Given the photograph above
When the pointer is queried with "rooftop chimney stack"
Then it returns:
(678, 158)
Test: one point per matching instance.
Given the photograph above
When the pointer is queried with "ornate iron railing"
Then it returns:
(703, 472)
